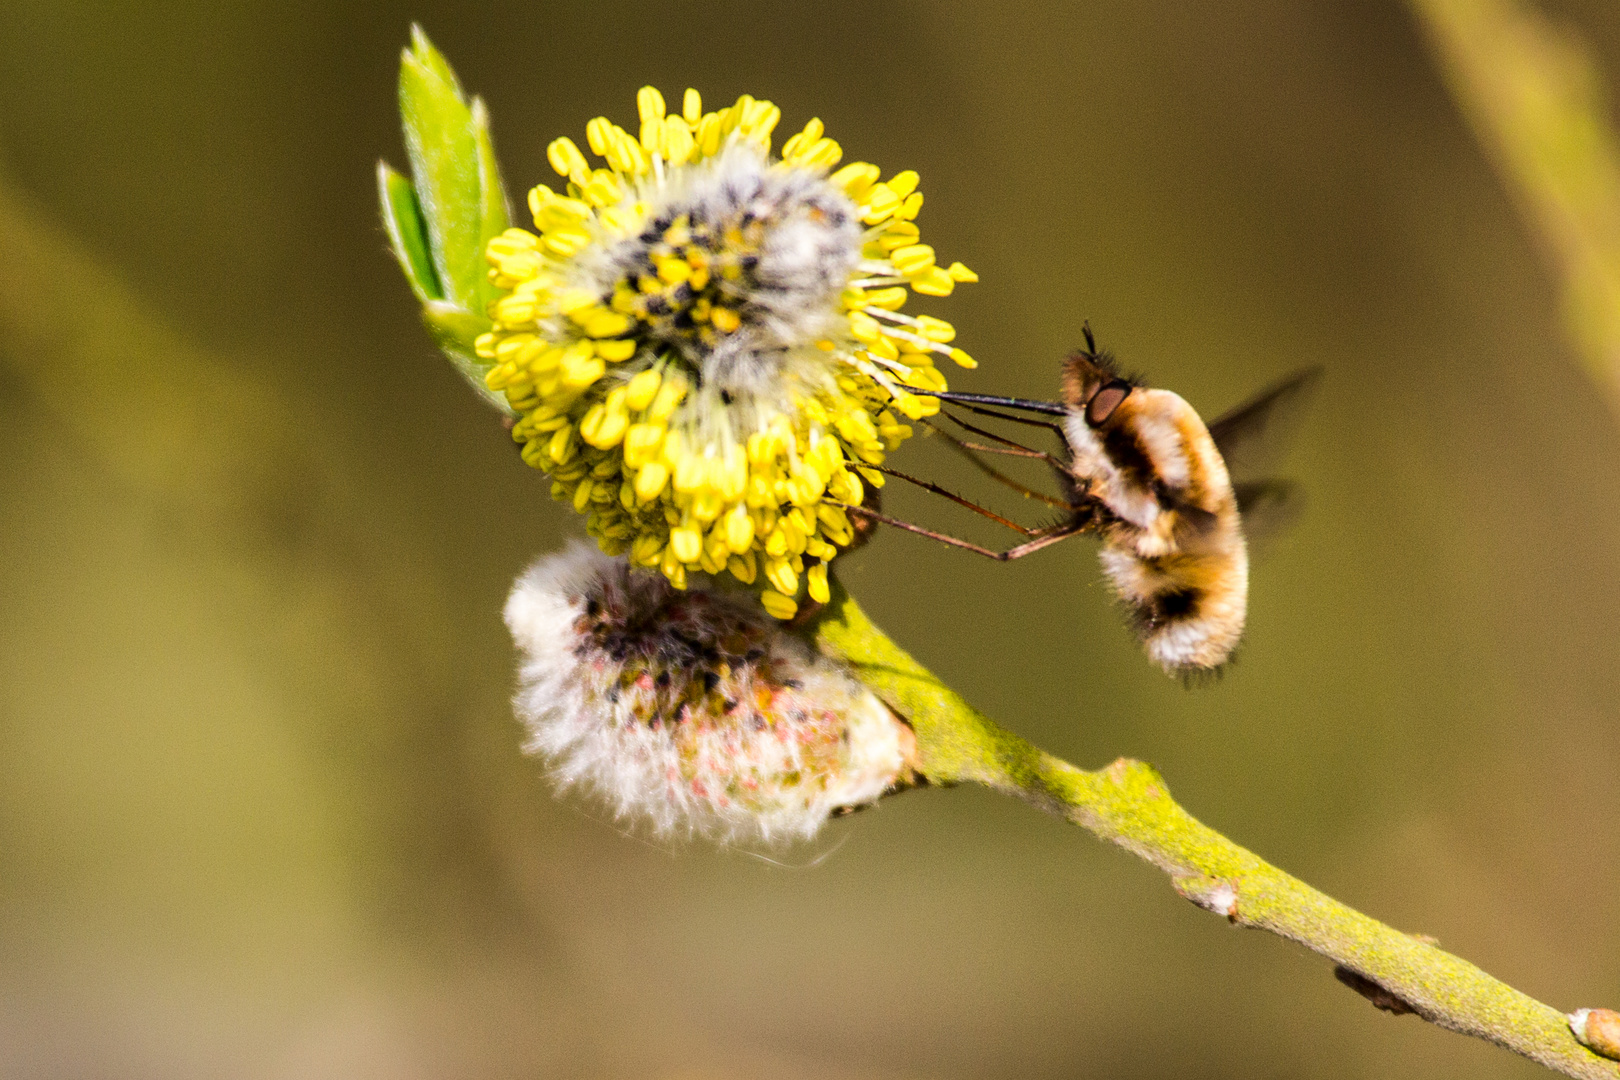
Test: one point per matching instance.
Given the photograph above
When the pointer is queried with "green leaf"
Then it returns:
(432, 58)
(407, 233)
(441, 219)
(496, 214)
(442, 141)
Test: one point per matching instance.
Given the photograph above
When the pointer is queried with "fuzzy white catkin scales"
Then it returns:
(690, 711)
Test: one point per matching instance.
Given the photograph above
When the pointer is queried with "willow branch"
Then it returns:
(1128, 804)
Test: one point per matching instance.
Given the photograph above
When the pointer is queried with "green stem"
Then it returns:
(1127, 803)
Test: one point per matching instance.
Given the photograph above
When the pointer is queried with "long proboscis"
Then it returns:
(1050, 408)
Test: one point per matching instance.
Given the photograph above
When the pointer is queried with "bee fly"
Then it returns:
(1169, 497)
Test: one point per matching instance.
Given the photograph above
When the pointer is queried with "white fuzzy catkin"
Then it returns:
(692, 712)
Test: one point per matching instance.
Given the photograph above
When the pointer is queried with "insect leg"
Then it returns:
(1043, 538)
(1060, 532)
(958, 500)
(966, 449)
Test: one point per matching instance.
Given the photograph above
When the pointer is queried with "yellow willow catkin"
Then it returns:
(704, 344)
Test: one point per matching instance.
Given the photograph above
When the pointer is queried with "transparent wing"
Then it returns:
(1270, 509)
(1253, 437)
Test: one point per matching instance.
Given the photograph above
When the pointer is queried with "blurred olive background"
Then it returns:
(262, 808)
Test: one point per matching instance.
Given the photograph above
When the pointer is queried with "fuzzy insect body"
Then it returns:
(1172, 537)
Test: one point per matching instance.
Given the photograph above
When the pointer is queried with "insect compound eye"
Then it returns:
(1105, 401)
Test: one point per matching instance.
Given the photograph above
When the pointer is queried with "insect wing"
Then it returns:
(1270, 509)
(1253, 437)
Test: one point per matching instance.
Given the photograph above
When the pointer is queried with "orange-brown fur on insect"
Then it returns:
(1173, 545)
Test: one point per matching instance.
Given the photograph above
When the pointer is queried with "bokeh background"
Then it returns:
(262, 809)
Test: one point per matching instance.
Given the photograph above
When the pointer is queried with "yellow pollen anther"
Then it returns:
(686, 542)
(603, 323)
(599, 135)
(692, 106)
(903, 183)
(562, 213)
(890, 299)
(561, 445)
(913, 260)
(780, 573)
(911, 405)
(650, 481)
(645, 550)
(616, 351)
(856, 178)
(743, 568)
(650, 103)
(603, 189)
(678, 141)
(641, 444)
(565, 157)
(899, 234)
(566, 243)
(823, 154)
(880, 202)
(777, 605)
(604, 425)
(569, 301)
(864, 327)
(933, 281)
(673, 271)
(580, 369)
(642, 388)
(739, 529)
(669, 395)
(673, 569)
(816, 583)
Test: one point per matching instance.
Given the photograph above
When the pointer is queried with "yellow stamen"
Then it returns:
(642, 388)
(650, 103)
(650, 481)
(744, 568)
(913, 260)
(777, 605)
(933, 282)
(903, 183)
(565, 157)
(816, 582)
(856, 178)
